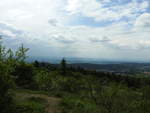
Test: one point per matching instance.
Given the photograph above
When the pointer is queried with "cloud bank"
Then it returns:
(104, 28)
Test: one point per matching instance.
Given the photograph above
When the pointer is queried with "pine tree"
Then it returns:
(63, 66)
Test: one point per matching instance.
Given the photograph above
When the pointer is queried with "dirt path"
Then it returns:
(52, 102)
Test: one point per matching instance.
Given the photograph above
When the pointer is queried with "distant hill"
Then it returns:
(71, 60)
(118, 67)
(98, 64)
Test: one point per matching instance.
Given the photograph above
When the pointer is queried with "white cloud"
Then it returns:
(40, 25)
(30, 15)
(143, 21)
(8, 33)
(102, 40)
(53, 22)
(96, 10)
(62, 39)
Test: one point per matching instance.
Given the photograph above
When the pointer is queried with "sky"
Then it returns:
(101, 29)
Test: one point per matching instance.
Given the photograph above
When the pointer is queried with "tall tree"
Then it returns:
(63, 66)
(6, 83)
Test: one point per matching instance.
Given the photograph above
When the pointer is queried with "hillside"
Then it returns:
(41, 87)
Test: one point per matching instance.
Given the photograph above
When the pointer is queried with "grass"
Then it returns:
(31, 106)
(35, 102)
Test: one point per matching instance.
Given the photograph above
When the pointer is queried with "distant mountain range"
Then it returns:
(71, 60)
(120, 67)
(99, 64)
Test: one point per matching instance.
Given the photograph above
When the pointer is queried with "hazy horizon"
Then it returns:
(57, 60)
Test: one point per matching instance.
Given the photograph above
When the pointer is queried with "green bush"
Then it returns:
(32, 105)
(24, 74)
(77, 105)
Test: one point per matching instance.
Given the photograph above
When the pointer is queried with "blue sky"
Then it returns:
(110, 29)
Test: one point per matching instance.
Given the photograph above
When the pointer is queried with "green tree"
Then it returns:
(6, 83)
(63, 66)
(21, 53)
(36, 64)
(24, 74)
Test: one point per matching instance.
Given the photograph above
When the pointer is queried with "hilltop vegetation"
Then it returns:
(45, 88)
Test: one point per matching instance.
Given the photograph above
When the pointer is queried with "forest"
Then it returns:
(41, 87)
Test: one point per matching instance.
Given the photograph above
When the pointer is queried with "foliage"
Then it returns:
(7, 63)
(32, 105)
(63, 66)
(76, 105)
(24, 74)
(82, 91)
(6, 82)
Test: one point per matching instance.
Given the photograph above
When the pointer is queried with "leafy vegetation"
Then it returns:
(32, 105)
(78, 90)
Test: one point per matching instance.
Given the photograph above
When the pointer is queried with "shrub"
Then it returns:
(32, 105)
